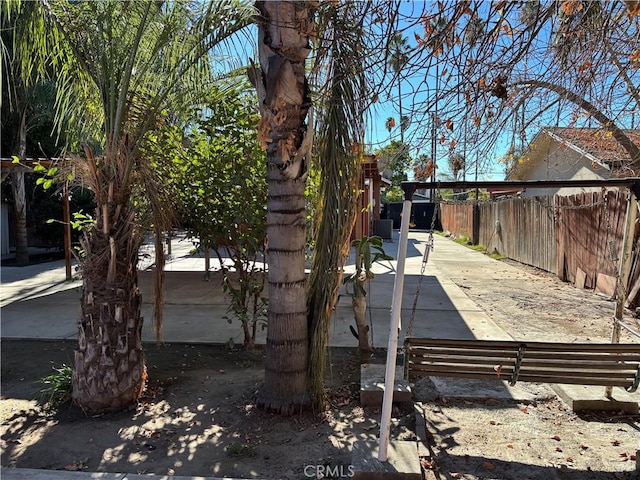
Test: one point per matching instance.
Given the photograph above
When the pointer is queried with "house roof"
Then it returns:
(595, 144)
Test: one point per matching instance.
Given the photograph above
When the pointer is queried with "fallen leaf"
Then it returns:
(624, 456)
(488, 466)
(509, 446)
(492, 422)
(558, 449)
(75, 466)
(524, 410)
(632, 457)
(456, 475)
(556, 438)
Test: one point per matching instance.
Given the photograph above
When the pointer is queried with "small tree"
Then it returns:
(222, 187)
(136, 59)
(394, 160)
(368, 250)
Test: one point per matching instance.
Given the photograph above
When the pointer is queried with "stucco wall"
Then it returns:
(563, 163)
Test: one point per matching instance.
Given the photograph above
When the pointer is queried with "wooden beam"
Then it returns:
(511, 184)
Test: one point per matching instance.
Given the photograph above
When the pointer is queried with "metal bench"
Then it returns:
(610, 365)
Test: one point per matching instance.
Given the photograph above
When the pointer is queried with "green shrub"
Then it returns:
(56, 388)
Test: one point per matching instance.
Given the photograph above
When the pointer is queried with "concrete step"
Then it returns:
(372, 385)
(402, 461)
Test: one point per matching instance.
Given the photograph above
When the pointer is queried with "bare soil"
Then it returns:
(199, 417)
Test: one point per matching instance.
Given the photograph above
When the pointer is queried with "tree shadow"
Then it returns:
(198, 417)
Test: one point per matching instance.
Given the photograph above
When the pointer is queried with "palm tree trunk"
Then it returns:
(110, 372)
(20, 208)
(284, 44)
(20, 199)
(400, 109)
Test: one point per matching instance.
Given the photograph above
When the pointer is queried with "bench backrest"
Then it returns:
(616, 365)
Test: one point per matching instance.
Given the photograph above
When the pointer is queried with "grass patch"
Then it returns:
(466, 241)
(56, 388)
(241, 450)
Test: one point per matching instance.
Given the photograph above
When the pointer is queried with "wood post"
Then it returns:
(624, 269)
(66, 218)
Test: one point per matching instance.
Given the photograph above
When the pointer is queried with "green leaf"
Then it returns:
(40, 181)
(47, 184)
(14, 159)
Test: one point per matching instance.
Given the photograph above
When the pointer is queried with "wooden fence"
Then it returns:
(590, 229)
(579, 238)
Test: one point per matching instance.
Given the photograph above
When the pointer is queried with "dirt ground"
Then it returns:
(198, 416)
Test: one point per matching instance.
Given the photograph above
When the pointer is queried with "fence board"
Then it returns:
(457, 218)
(589, 227)
(522, 229)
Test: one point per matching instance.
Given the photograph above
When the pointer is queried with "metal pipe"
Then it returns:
(394, 331)
(611, 182)
(627, 328)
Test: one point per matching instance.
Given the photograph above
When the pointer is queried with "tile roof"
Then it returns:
(597, 142)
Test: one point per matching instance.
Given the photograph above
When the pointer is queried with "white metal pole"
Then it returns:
(394, 331)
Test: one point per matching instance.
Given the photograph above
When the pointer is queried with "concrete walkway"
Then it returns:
(37, 303)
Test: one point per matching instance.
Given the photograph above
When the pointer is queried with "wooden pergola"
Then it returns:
(8, 164)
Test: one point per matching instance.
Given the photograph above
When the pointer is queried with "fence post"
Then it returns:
(624, 269)
(475, 236)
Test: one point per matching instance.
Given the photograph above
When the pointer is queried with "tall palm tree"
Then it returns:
(25, 99)
(285, 30)
(399, 56)
(138, 57)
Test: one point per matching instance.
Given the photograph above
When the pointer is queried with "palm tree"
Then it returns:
(399, 49)
(24, 99)
(136, 68)
(389, 124)
(284, 42)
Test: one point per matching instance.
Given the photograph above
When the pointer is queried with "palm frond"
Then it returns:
(341, 121)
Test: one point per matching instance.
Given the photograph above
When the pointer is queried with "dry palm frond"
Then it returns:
(339, 138)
